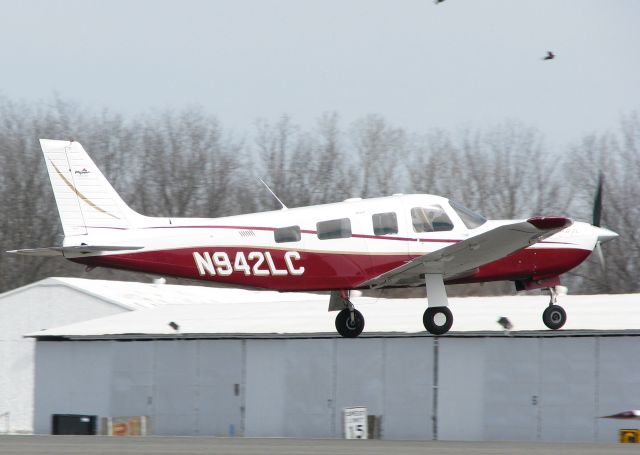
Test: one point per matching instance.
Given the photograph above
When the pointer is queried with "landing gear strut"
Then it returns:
(349, 321)
(437, 318)
(554, 316)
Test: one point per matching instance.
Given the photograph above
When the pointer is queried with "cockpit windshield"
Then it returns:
(470, 218)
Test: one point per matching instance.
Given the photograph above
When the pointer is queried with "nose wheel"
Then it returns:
(554, 315)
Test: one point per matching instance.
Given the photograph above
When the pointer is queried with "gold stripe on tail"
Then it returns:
(79, 194)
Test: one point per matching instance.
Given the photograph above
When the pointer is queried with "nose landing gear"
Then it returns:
(554, 315)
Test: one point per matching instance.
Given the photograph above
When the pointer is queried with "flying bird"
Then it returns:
(438, 1)
(550, 55)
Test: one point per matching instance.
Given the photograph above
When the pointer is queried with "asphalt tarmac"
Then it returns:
(105, 445)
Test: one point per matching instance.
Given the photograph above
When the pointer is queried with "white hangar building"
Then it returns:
(197, 364)
(56, 302)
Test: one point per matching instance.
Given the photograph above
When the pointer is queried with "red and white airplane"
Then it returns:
(388, 242)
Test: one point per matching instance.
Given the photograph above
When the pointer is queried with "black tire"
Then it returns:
(554, 317)
(432, 320)
(346, 327)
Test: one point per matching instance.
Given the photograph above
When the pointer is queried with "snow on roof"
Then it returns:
(309, 315)
(136, 295)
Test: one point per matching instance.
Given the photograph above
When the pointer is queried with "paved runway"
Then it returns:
(104, 445)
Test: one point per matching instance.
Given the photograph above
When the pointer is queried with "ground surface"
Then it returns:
(87, 445)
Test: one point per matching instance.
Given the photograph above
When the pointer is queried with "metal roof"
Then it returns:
(249, 314)
(137, 296)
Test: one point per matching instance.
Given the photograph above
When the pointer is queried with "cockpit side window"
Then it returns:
(385, 223)
(430, 219)
(470, 218)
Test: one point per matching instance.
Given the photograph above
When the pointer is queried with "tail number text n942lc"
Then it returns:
(253, 263)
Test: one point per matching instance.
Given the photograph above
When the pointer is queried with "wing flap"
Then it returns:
(469, 254)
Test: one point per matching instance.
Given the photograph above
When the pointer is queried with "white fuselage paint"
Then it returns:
(165, 234)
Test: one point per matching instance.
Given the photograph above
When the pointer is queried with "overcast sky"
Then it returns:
(462, 63)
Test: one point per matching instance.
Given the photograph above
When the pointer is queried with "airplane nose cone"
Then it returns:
(604, 235)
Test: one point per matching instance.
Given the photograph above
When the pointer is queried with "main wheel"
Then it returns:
(554, 317)
(348, 328)
(437, 320)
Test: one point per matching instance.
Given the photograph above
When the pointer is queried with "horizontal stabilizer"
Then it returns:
(73, 250)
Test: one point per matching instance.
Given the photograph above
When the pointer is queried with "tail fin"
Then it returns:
(84, 197)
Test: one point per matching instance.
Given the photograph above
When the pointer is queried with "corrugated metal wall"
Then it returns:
(285, 387)
(489, 388)
(546, 388)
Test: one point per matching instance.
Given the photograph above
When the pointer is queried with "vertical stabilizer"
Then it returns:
(84, 197)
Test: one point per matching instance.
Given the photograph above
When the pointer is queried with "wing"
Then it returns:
(466, 255)
(73, 250)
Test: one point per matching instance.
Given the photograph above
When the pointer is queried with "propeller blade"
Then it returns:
(597, 203)
(600, 256)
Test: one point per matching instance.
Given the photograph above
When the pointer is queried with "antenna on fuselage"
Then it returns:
(284, 207)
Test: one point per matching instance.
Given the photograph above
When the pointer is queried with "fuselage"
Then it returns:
(331, 246)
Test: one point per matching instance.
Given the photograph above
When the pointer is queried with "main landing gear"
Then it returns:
(554, 316)
(349, 321)
(437, 318)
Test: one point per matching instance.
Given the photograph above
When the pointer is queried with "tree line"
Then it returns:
(184, 162)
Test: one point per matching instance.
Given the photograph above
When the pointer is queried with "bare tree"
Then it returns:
(617, 157)
(289, 163)
(433, 167)
(511, 173)
(379, 147)
(29, 214)
(184, 165)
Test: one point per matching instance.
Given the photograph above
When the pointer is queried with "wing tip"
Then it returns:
(547, 223)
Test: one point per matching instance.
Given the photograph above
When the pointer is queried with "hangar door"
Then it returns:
(290, 388)
(186, 387)
(518, 389)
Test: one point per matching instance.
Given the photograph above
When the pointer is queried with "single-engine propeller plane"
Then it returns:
(387, 242)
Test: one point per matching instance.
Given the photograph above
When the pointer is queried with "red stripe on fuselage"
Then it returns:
(327, 270)
(530, 263)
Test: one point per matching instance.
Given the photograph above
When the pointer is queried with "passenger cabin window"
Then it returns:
(385, 223)
(334, 229)
(287, 234)
(430, 219)
(470, 218)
